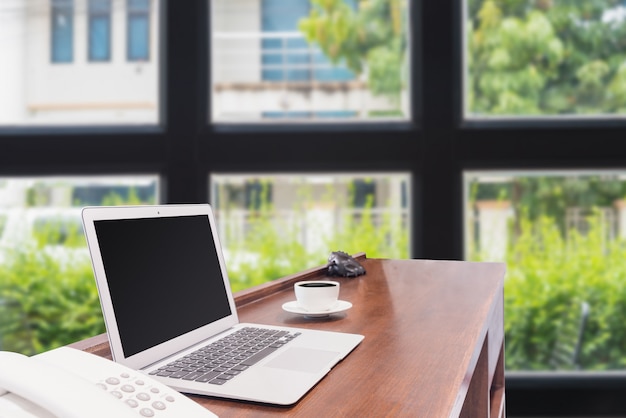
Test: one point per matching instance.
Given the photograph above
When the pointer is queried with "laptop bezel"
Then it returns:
(92, 214)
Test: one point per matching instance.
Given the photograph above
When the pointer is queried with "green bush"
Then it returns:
(548, 277)
(46, 300)
(270, 250)
(48, 296)
(275, 250)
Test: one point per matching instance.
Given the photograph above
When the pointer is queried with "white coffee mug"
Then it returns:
(316, 295)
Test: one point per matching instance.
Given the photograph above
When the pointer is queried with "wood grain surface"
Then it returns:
(433, 342)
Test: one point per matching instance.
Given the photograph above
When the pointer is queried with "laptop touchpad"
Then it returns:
(304, 360)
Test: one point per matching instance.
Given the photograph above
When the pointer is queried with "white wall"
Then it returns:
(236, 26)
(80, 91)
(12, 33)
(493, 218)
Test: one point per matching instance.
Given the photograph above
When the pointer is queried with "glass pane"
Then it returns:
(65, 62)
(309, 60)
(275, 225)
(563, 237)
(48, 296)
(545, 58)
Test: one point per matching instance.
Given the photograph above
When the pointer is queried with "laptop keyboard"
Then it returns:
(223, 360)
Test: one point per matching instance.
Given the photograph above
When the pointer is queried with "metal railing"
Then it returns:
(281, 52)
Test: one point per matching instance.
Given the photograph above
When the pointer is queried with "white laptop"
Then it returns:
(166, 299)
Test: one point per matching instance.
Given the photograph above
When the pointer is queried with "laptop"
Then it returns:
(166, 301)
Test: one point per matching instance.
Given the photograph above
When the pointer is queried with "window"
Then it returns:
(62, 24)
(285, 59)
(562, 235)
(99, 30)
(138, 30)
(306, 60)
(273, 225)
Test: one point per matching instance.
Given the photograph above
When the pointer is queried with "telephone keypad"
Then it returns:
(136, 394)
(146, 412)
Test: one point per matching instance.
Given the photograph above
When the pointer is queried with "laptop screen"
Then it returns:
(164, 277)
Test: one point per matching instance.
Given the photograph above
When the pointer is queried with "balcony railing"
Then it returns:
(269, 75)
(311, 228)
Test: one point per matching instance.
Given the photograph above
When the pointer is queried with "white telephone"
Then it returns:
(69, 383)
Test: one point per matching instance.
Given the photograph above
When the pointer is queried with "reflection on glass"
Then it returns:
(563, 237)
(275, 225)
(77, 62)
(48, 296)
(545, 58)
(309, 60)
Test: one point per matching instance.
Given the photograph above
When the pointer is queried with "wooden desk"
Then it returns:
(433, 346)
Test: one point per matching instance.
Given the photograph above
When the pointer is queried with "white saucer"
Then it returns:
(340, 306)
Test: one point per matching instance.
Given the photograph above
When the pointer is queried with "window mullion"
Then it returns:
(182, 86)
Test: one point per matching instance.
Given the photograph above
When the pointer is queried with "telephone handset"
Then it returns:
(69, 383)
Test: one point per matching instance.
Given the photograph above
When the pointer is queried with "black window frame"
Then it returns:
(436, 146)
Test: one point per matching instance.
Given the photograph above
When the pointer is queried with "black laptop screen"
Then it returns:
(164, 277)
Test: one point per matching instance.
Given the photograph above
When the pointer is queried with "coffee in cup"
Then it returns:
(316, 295)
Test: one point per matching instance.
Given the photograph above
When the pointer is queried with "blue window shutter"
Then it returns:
(62, 31)
(99, 30)
(138, 28)
(138, 42)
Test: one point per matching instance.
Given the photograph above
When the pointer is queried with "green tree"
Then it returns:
(536, 196)
(369, 36)
(546, 57)
(547, 279)
(46, 300)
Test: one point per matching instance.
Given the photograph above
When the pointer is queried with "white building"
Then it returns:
(96, 62)
(263, 68)
(78, 61)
